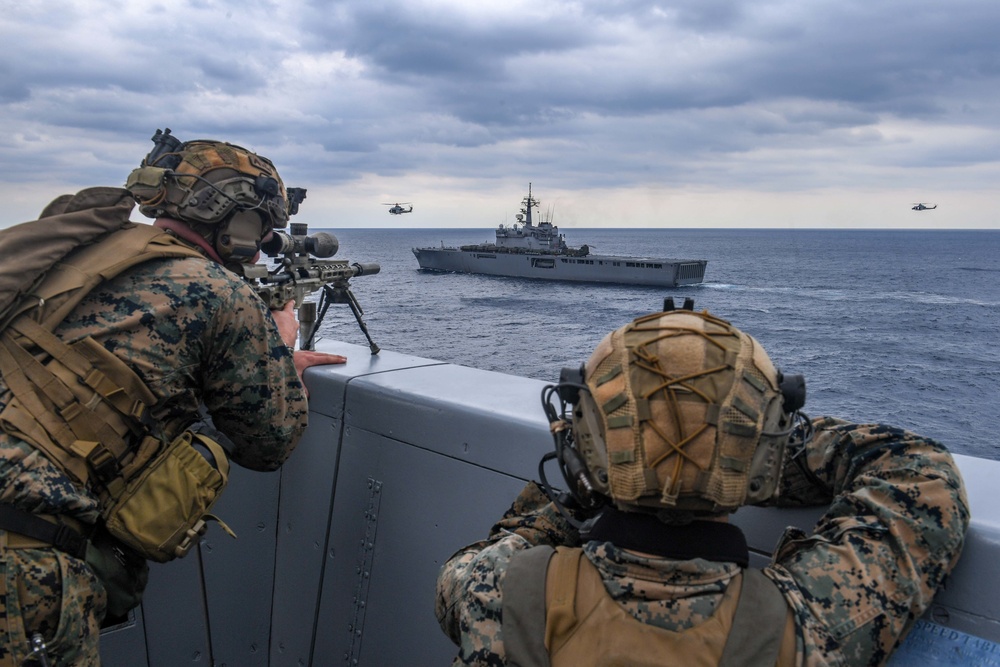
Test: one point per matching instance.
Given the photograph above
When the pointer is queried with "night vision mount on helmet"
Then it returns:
(227, 194)
(679, 414)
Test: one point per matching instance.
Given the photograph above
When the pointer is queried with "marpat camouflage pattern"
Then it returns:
(197, 335)
(894, 529)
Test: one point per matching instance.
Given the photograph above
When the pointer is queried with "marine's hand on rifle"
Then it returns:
(288, 325)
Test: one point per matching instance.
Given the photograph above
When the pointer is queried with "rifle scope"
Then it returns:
(319, 244)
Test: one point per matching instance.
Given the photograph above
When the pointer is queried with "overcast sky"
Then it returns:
(632, 113)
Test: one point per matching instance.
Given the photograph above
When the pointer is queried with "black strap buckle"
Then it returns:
(68, 540)
(103, 463)
(60, 535)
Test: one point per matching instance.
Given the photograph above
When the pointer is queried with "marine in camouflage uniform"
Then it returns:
(200, 339)
(894, 530)
(195, 333)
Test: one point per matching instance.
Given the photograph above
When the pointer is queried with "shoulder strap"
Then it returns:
(758, 625)
(523, 618)
(561, 592)
(69, 281)
(79, 403)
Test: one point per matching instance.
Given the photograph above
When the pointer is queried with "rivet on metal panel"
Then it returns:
(366, 557)
(940, 614)
(261, 527)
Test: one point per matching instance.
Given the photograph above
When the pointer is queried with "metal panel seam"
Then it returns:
(329, 515)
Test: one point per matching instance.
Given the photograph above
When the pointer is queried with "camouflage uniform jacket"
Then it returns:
(197, 335)
(894, 529)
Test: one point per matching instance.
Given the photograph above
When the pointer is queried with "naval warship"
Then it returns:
(527, 250)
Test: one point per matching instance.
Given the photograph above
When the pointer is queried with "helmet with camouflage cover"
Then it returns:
(682, 414)
(230, 196)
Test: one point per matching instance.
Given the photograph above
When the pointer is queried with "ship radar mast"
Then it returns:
(527, 204)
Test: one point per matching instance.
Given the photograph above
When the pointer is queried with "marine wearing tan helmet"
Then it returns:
(230, 196)
(684, 413)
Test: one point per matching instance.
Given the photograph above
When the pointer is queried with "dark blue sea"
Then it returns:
(893, 326)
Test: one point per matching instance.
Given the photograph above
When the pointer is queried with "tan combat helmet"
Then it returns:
(227, 194)
(684, 413)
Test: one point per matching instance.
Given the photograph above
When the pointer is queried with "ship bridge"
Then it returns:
(543, 237)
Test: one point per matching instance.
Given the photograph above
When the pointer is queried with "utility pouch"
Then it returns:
(162, 512)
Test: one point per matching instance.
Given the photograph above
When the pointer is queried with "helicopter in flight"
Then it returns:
(923, 207)
(398, 209)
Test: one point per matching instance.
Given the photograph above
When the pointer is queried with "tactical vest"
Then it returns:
(85, 408)
(557, 612)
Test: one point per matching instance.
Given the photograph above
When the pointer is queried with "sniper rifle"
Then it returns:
(300, 269)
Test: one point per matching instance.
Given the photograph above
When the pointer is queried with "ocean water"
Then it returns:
(899, 327)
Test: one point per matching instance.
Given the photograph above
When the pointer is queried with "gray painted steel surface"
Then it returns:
(405, 461)
(592, 268)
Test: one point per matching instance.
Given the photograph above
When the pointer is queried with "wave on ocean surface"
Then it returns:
(827, 294)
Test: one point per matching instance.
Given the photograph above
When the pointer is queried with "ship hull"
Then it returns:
(590, 268)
